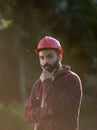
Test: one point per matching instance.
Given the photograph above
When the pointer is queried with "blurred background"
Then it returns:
(22, 24)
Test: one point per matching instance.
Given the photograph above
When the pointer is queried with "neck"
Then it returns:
(60, 67)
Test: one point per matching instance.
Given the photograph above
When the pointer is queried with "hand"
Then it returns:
(45, 74)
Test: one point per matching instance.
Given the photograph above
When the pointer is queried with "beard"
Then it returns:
(50, 68)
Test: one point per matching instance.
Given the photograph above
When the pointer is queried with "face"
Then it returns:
(49, 59)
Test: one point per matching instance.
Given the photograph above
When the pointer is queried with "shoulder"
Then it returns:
(72, 77)
(68, 73)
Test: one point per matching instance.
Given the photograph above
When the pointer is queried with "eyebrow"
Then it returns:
(50, 54)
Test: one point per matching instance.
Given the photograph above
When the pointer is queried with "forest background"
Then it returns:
(22, 24)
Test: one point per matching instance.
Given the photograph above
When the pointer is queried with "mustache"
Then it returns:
(47, 65)
(50, 67)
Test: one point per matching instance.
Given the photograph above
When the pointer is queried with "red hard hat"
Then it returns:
(48, 43)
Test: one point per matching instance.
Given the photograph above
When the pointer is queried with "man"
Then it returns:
(55, 99)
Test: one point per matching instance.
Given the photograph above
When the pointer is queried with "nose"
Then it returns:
(45, 60)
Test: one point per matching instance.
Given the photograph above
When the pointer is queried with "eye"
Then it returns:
(41, 57)
(50, 56)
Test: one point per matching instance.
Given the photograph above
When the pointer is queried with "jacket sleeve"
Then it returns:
(66, 99)
(32, 111)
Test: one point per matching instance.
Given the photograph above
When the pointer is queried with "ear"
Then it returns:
(60, 57)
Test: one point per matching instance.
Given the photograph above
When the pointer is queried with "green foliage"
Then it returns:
(11, 117)
(4, 23)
